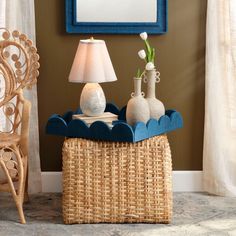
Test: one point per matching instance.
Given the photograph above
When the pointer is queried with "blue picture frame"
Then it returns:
(159, 27)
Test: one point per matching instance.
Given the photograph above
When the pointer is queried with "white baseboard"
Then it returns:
(183, 181)
(187, 181)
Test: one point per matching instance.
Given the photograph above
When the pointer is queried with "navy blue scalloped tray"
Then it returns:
(120, 132)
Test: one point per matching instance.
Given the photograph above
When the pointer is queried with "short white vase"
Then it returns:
(156, 107)
(137, 107)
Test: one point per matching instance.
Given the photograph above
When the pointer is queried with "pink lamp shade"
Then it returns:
(92, 63)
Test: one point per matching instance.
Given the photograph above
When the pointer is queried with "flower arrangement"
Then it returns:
(140, 108)
(147, 55)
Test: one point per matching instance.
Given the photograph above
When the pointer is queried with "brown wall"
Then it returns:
(180, 59)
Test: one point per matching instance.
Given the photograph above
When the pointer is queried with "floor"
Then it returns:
(194, 214)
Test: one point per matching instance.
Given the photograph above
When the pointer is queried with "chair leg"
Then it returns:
(18, 195)
(22, 172)
(26, 197)
(19, 205)
(25, 182)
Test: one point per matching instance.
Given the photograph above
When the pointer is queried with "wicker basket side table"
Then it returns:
(115, 182)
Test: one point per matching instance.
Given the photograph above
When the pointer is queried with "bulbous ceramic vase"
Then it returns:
(137, 107)
(156, 107)
(92, 100)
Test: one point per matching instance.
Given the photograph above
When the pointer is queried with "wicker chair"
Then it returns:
(18, 70)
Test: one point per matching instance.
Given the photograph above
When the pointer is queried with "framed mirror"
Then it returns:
(116, 16)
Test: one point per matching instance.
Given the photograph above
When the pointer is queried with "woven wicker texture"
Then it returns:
(18, 70)
(117, 182)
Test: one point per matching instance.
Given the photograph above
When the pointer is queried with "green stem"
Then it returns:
(149, 50)
(142, 74)
(153, 55)
(138, 73)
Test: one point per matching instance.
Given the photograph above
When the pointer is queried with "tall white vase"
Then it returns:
(137, 107)
(156, 107)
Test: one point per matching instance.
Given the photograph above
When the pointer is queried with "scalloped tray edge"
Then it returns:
(120, 132)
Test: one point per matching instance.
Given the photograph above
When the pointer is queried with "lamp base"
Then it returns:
(92, 100)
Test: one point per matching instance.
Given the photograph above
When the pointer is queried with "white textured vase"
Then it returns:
(156, 107)
(137, 107)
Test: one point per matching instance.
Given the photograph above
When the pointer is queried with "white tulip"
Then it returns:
(149, 66)
(144, 36)
(142, 54)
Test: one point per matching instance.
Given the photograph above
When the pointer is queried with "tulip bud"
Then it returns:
(149, 66)
(142, 54)
(144, 36)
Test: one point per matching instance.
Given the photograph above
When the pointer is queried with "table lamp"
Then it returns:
(92, 65)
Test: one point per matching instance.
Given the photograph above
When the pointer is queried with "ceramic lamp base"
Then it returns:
(92, 100)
